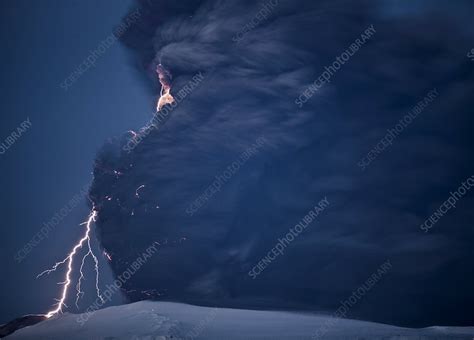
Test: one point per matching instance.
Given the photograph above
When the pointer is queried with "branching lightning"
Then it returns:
(165, 98)
(86, 239)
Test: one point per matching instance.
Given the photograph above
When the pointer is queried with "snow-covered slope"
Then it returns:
(164, 320)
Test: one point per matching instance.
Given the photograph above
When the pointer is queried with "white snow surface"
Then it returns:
(149, 320)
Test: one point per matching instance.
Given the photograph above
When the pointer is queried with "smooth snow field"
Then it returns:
(165, 320)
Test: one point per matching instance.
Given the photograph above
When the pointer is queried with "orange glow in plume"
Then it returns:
(165, 81)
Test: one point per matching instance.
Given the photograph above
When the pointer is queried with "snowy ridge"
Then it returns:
(165, 320)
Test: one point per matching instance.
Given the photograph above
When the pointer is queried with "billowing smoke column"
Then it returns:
(240, 211)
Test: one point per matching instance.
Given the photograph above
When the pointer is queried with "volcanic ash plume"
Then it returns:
(165, 79)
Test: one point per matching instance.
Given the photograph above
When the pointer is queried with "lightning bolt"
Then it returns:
(96, 268)
(86, 239)
(165, 80)
(165, 98)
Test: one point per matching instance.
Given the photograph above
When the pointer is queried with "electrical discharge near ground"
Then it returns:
(165, 98)
(69, 260)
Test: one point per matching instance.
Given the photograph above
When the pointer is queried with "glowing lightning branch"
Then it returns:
(69, 259)
(165, 80)
(80, 293)
(165, 98)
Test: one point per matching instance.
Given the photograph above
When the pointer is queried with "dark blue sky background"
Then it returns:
(42, 43)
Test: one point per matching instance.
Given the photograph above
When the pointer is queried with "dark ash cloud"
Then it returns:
(249, 91)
